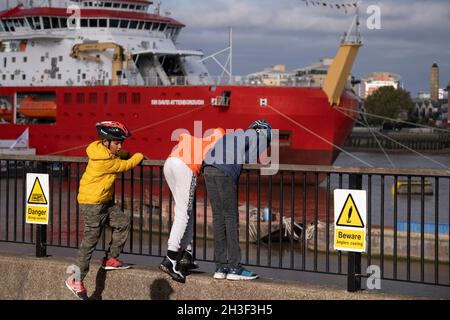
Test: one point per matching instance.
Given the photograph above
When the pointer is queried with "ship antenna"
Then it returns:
(158, 7)
(356, 25)
(227, 67)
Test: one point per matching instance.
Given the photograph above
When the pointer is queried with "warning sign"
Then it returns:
(350, 216)
(37, 206)
(350, 220)
(37, 195)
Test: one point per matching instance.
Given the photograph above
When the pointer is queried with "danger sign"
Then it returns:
(37, 206)
(350, 220)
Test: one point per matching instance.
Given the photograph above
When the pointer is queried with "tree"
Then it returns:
(388, 102)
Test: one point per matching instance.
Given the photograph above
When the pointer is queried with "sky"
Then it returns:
(413, 34)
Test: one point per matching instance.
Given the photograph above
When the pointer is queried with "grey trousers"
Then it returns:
(222, 192)
(96, 217)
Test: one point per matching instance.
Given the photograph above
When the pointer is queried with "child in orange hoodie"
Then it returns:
(181, 170)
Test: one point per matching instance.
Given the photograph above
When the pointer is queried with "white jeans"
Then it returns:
(182, 183)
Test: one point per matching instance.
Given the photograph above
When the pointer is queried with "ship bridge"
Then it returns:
(38, 37)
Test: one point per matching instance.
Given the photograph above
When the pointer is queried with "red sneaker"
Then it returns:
(114, 264)
(77, 288)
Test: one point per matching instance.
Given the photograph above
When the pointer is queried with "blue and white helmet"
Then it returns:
(262, 124)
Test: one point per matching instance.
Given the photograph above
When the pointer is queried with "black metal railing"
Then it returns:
(286, 220)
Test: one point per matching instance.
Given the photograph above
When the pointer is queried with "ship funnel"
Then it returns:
(342, 65)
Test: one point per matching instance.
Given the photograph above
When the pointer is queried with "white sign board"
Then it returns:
(350, 212)
(37, 199)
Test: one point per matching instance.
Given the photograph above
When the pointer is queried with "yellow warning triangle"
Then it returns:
(350, 216)
(37, 195)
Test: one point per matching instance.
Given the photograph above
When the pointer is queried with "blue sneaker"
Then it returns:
(241, 274)
(221, 273)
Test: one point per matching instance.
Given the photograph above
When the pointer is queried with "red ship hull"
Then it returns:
(154, 113)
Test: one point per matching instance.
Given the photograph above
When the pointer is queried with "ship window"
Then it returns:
(93, 23)
(93, 98)
(116, 5)
(13, 59)
(60, 58)
(141, 25)
(133, 24)
(37, 23)
(83, 76)
(124, 23)
(103, 23)
(113, 23)
(25, 59)
(122, 98)
(132, 6)
(4, 77)
(63, 23)
(10, 25)
(67, 98)
(46, 23)
(108, 4)
(84, 23)
(136, 98)
(155, 26)
(124, 6)
(12, 77)
(59, 76)
(80, 98)
(55, 23)
(148, 25)
(5, 60)
(24, 77)
(42, 59)
(162, 27)
(30, 22)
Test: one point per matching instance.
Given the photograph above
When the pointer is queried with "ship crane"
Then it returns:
(81, 51)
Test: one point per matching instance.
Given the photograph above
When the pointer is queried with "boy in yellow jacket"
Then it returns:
(96, 202)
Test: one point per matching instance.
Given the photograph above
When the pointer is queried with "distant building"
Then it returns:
(443, 94)
(423, 95)
(373, 81)
(434, 82)
(275, 75)
(310, 76)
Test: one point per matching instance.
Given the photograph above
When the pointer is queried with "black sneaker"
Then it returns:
(172, 268)
(187, 261)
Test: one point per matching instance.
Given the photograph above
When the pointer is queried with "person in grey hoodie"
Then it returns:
(222, 169)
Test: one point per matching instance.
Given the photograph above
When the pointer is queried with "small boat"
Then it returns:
(33, 107)
(416, 187)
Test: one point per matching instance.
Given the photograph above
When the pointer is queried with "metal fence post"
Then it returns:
(41, 230)
(354, 258)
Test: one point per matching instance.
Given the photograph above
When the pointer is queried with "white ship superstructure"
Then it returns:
(83, 43)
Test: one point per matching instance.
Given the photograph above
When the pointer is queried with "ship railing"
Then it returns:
(286, 220)
(217, 80)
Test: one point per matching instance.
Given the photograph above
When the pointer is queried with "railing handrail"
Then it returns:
(281, 167)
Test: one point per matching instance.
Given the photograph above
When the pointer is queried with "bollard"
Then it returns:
(354, 258)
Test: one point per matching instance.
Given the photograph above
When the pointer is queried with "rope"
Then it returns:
(319, 136)
(134, 130)
(395, 120)
(286, 225)
(402, 145)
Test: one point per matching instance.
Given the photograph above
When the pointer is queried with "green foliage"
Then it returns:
(388, 102)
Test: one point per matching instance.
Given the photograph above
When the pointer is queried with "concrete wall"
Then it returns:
(30, 278)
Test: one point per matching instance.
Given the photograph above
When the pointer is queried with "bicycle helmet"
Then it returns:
(262, 124)
(112, 131)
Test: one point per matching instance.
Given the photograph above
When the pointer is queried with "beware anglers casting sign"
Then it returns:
(350, 220)
(37, 205)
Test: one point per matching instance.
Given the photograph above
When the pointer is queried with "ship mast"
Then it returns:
(339, 70)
